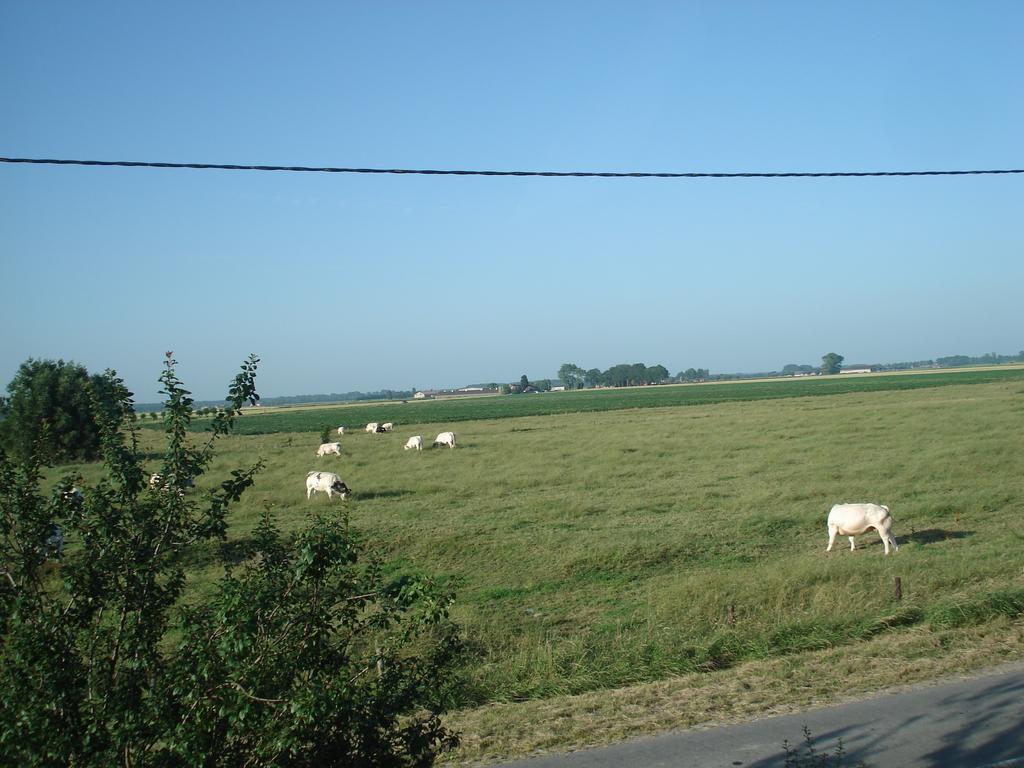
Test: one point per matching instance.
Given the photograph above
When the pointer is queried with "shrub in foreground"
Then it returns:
(304, 655)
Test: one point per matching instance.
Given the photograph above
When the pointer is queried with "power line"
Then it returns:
(429, 172)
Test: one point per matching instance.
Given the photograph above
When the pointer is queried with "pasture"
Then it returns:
(601, 549)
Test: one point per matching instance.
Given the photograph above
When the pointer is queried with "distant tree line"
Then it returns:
(334, 397)
(955, 361)
(694, 374)
(832, 363)
(622, 375)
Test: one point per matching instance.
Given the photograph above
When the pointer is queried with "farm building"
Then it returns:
(428, 394)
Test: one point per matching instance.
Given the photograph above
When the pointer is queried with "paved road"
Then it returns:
(966, 723)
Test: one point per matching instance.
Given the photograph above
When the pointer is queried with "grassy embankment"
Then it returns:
(598, 550)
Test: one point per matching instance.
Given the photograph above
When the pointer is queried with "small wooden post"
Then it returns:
(730, 613)
(899, 589)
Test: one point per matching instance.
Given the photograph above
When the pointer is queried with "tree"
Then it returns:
(571, 375)
(657, 374)
(616, 376)
(831, 363)
(52, 408)
(592, 377)
(523, 382)
(304, 654)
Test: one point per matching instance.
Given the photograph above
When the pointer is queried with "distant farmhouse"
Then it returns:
(430, 394)
(857, 369)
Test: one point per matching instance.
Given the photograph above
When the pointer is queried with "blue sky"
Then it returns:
(362, 282)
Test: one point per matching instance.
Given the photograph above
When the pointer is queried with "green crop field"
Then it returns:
(606, 547)
(310, 419)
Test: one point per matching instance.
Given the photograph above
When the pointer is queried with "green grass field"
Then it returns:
(597, 549)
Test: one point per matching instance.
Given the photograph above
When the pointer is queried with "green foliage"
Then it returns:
(632, 375)
(694, 374)
(304, 659)
(572, 376)
(325, 434)
(575, 377)
(53, 407)
(304, 655)
(831, 363)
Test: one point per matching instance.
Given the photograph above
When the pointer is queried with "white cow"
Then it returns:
(156, 480)
(414, 442)
(72, 495)
(372, 426)
(445, 438)
(854, 519)
(326, 448)
(328, 483)
(387, 426)
(341, 430)
(53, 546)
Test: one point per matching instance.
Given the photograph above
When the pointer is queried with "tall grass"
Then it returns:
(597, 549)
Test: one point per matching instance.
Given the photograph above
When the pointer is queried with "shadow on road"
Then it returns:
(959, 741)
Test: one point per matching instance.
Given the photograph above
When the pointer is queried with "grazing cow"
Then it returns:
(414, 442)
(53, 546)
(327, 482)
(72, 495)
(326, 448)
(854, 519)
(341, 430)
(445, 438)
(372, 426)
(387, 426)
(156, 480)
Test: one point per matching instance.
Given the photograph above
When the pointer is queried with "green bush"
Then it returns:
(53, 410)
(304, 654)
